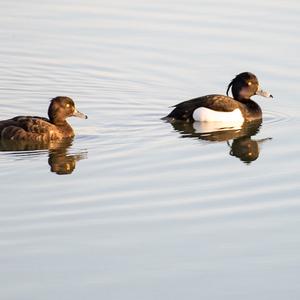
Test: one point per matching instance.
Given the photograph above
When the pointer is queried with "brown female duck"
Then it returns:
(39, 129)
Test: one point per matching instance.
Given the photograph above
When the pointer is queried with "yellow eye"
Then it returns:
(68, 105)
(249, 83)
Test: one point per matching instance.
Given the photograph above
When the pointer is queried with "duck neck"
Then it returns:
(242, 100)
(63, 126)
(58, 121)
(251, 110)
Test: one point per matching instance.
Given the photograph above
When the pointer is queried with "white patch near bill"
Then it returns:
(211, 120)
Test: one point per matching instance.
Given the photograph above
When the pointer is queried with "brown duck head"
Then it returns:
(61, 108)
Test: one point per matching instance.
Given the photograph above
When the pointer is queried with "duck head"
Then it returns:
(244, 86)
(62, 107)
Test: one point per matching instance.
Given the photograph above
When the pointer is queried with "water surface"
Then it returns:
(149, 211)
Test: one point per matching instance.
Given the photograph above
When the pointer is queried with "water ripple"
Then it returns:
(125, 63)
(274, 117)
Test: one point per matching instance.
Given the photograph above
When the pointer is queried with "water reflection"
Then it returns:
(242, 145)
(60, 160)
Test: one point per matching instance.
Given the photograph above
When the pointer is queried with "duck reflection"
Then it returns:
(242, 145)
(60, 160)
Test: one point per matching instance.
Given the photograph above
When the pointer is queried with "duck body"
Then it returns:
(215, 108)
(39, 129)
(34, 128)
(221, 108)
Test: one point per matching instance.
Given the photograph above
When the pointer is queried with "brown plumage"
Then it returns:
(243, 86)
(41, 129)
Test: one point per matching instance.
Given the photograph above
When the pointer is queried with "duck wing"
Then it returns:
(28, 128)
(184, 110)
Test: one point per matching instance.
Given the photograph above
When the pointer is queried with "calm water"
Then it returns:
(148, 210)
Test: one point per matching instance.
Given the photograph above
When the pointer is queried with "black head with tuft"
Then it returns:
(244, 86)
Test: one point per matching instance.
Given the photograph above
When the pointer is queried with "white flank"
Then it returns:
(203, 114)
(211, 120)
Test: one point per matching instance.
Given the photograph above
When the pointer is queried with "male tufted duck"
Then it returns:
(41, 129)
(219, 108)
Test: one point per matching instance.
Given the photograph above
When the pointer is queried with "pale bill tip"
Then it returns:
(79, 114)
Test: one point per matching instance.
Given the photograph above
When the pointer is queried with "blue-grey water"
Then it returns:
(148, 211)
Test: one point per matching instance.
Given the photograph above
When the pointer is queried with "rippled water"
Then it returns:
(148, 210)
